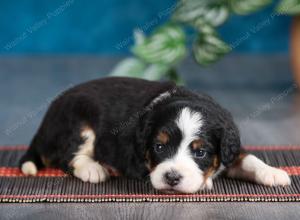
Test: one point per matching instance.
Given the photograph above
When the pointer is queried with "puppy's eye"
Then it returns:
(199, 154)
(159, 148)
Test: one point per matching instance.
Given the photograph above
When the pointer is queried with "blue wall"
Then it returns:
(105, 26)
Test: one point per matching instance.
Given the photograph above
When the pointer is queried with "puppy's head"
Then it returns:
(187, 147)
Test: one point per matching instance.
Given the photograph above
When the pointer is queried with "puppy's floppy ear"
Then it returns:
(144, 129)
(230, 144)
(139, 168)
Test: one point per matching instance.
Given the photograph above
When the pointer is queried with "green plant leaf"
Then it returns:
(130, 67)
(211, 12)
(139, 37)
(209, 48)
(290, 7)
(204, 28)
(174, 76)
(245, 7)
(165, 46)
(155, 71)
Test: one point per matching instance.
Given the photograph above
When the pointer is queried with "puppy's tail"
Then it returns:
(31, 161)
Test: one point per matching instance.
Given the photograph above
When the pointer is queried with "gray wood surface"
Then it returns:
(152, 211)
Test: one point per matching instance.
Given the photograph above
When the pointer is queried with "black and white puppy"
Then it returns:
(135, 128)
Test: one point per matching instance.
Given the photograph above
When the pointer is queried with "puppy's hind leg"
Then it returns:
(83, 164)
(253, 169)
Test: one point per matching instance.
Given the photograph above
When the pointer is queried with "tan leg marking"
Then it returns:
(85, 167)
(208, 175)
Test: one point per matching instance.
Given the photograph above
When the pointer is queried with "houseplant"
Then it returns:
(156, 56)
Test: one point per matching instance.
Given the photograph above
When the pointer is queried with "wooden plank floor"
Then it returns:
(258, 90)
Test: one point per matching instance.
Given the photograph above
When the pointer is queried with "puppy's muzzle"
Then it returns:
(172, 178)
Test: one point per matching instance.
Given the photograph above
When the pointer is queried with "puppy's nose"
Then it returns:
(172, 178)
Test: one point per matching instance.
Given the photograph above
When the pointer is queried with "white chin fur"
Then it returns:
(191, 182)
(29, 168)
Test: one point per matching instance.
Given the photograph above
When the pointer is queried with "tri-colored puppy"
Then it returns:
(134, 128)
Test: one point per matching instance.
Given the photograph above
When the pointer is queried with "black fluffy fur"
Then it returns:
(120, 112)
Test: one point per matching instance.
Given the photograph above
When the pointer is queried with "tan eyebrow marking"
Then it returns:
(163, 137)
(197, 144)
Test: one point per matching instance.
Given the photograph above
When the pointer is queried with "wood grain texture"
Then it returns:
(151, 211)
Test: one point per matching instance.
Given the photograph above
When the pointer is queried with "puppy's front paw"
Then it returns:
(271, 176)
(91, 172)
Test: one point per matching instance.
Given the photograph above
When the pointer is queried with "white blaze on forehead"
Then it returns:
(189, 123)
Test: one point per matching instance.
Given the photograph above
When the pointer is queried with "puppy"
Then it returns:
(135, 128)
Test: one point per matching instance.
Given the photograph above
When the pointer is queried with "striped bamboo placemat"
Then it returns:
(53, 185)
